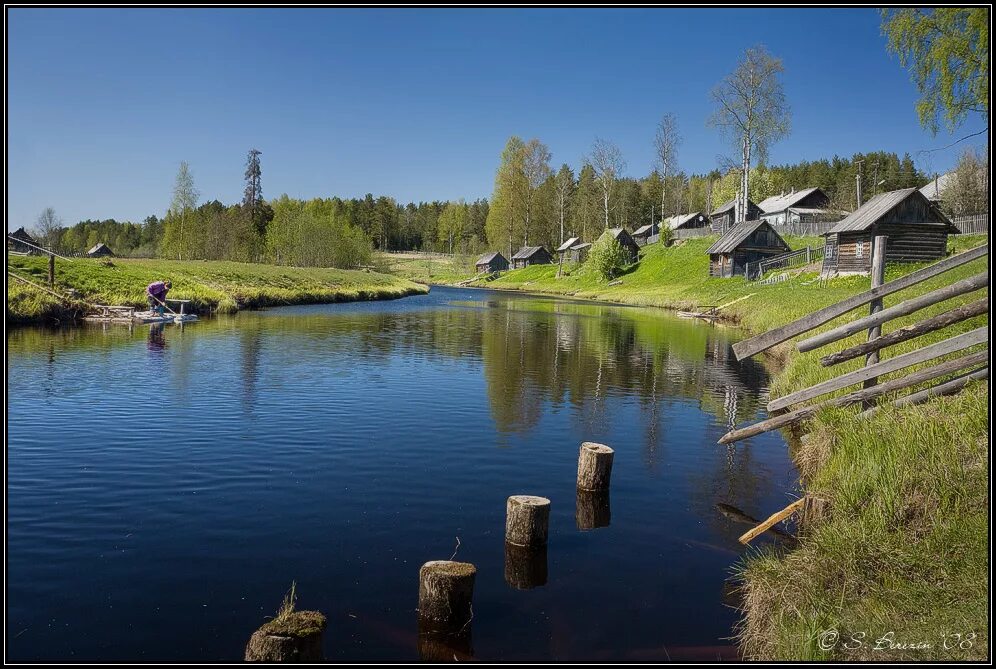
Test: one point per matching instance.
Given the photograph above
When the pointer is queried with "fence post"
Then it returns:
(51, 270)
(877, 279)
(808, 255)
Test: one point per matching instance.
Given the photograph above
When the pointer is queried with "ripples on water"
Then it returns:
(165, 486)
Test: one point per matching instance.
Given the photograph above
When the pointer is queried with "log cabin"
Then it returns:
(722, 219)
(747, 242)
(917, 231)
(531, 255)
(490, 263)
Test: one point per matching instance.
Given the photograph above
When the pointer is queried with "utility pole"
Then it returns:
(875, 165)
(858, 177)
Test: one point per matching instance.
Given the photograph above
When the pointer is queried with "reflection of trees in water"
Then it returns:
(590, 353)
(251, 345)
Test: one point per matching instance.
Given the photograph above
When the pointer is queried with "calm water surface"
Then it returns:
(166, 485)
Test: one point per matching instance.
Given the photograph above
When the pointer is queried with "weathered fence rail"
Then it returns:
(755, 271)
(976, 362)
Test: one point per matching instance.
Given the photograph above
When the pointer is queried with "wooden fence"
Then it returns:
(976, 363)
(755, 271)
(977, 224)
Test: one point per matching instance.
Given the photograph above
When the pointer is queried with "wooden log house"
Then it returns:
(491, 262)
(20, 241)
(625, 240)
(724, 218)
(747, 242)
(803, 206)
(917, 231)
(531, 255)
(99, 250)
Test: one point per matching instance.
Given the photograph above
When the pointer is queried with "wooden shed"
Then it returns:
(491, 262)
(643, 234)
(747, 242)
(99, 250)
(20, 241)
(799, 206)
(531, 255)
(565, 248)
(917, 231)
(625, 240)
(724, 218)
(579, 252)
(696, 219)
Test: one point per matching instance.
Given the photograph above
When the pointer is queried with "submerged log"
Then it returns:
(295, 637)
(445, 595)
(527, 520)
(435, 646)
(594, 466)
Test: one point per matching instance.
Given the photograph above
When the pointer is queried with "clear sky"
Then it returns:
(103, 104)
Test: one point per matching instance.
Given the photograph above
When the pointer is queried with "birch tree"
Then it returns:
(666, 143)
(536, 164)
(506, 215)
(607, 160)
(184, 200)
(564, 185)
(751, 112)
(47, 227)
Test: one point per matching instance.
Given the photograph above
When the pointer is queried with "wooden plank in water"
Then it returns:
(754, 345)
(958, 343)
(772, 520)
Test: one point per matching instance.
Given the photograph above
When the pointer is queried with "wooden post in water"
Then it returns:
(594, 466)
(525, 567)
(51, 270)
(445, 594)
(877, 279)
(592, 510)
(527, 520)
(295, 637)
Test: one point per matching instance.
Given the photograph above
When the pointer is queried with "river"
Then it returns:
(165, 485)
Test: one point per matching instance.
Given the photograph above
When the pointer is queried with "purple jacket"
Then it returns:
(157, 290)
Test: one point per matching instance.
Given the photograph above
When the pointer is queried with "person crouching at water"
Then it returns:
(156, 293)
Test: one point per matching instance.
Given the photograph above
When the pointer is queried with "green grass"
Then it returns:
(427, 268)
(210, 285)
(903, 547)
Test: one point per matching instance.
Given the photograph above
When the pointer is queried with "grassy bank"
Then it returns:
(897, 565)
(426, 267)
(210, 285)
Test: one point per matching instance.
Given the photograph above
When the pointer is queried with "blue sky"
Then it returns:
(103, 104)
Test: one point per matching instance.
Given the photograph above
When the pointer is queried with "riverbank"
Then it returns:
(902, 552)
(211, 286)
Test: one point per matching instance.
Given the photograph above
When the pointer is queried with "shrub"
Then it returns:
(607, 257)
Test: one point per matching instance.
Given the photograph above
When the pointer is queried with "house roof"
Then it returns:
(98, 246)
(619, 232)
(678, 221)
(527, 252)
(581, 246)
(874, 209)
(782, 202)
(22, 234)
(644, 229)
(568, 244)
(736, 235)
(488, 257)
(935, 189)
(725, 207)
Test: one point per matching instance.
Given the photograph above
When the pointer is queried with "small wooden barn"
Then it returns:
(747, 242)
(531, 255)
(564, 249)
(723, 219)
(491, 262)
(917, 231)
(579, 252)
(625, 240)
(696, 219)
(99, 250)
(20, 241)
(798, 206)
(643, 234)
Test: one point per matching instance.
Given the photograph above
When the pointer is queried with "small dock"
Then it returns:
(107, 313)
